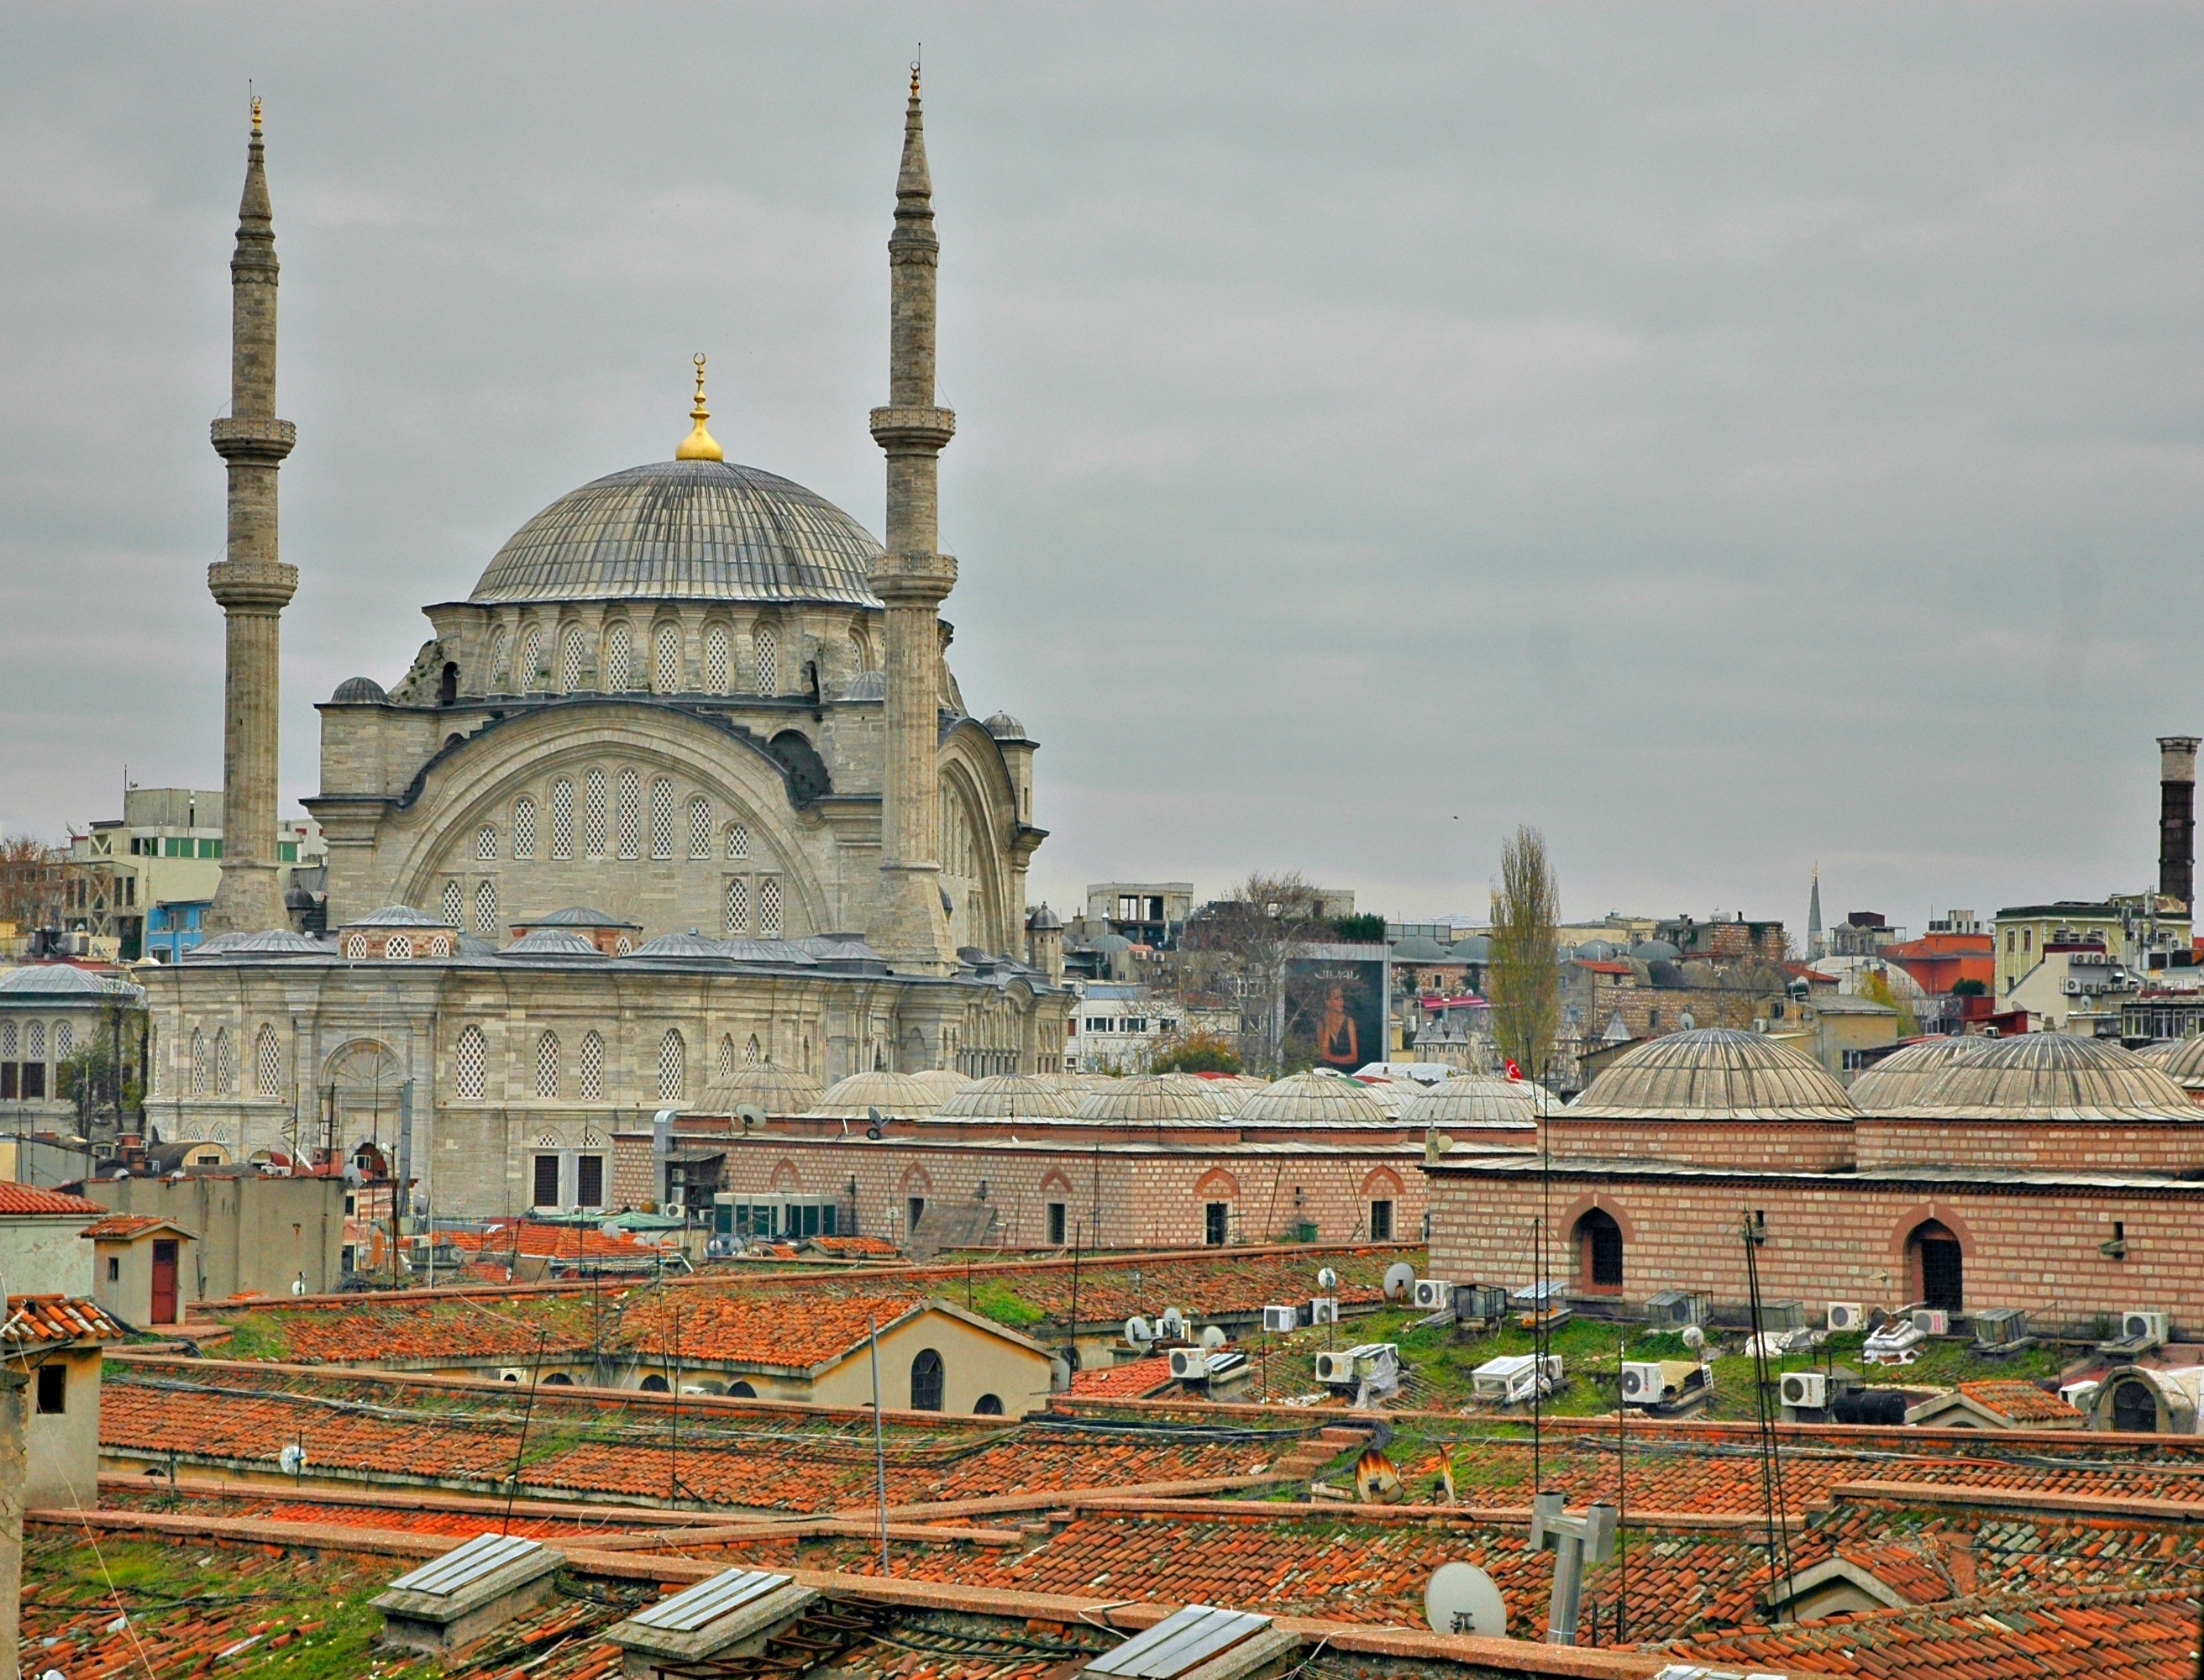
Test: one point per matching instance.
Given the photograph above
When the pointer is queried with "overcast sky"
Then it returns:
(1726, 438)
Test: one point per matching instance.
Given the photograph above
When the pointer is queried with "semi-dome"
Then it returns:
(1713, 1073)
(1008, 1096)
(358, 692)
(1147, 1097)
(1326, 1099)
(1475, 1099)
(690, 530)
(1902, 1079)
(897, 1096)
(2058, 1076)
(775, 1090)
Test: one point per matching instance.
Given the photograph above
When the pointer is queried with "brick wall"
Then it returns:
(1757, 1145)
(2035, 1146)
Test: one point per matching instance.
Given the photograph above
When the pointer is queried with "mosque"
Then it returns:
(683, 785)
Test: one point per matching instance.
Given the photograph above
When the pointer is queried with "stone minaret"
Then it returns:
(1816, 948)
(909, 928)
(252, 584)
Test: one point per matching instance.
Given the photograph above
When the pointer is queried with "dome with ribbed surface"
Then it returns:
(1903, 1078)
(895, 1095)
(775, 1090)
(944, 1083)
(1324, 1099)
(2056, 1075)
(1475, 1099)
(1008, 1096)
(2160, 1051)
(1147, 1096)
(1713, 1074)
(687, 531)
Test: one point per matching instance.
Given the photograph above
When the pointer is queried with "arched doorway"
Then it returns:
(1599, 1251)
(2134, 1407)
(359, 1093)
(1935, 1266)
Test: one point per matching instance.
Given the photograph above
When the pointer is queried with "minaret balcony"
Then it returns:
(913, 430)
(258, 442)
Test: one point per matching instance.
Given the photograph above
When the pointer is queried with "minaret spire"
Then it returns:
(1816, 948)
(252, 582)
(909, 926)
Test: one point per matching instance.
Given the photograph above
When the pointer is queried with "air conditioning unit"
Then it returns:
(1433, 1296)
(1323, 1310)
(1278, 1320)
(1931, 1320)
(1190, 1364)
(1847, 1315)
(1806, 1389)
(2072, 988)
(674, 1210)
(2137, 1324)
(1783, 1315)
(1336, 1370)
(1346, 1366)
(1644, 1382)
(513, 1373)
(1513, 1378)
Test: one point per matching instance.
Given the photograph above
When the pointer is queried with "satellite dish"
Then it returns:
(748, 1113)
(292, 1458)
(1376, 1478)
(1139, 1332)
(1214, 1337)
(1400, 1279)
(1694, 1338)
(1174, 1321)
(1461, 1597)
(1327, 1280)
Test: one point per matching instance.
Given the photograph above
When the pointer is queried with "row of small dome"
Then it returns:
(1719, 1073)
(1477, 949)
(1313, 1098)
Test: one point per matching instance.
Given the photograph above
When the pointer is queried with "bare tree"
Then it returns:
(30, 881)
(1234, 952)
(1524, 980)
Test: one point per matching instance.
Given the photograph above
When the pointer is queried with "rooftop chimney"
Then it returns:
(2176, 818)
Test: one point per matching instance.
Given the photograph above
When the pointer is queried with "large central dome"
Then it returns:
(686, 531)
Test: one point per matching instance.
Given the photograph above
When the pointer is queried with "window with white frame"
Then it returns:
(769, 909)
(485, 907)
(629, 811)
(619, 660)
(524, 829)
(666, 664)
(670, 1070)
(455, 904)
(589, 1068)
(661, 819)
(738, 842)
(486, 843)
(471, 1065)
(700, 827)
(718, 659)
(397, 948)
(738, 906)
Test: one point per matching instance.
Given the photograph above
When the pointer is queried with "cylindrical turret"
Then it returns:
(252, 584)
(2176, 818)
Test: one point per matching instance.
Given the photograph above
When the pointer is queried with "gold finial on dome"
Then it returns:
(699, 444)
(256, 116)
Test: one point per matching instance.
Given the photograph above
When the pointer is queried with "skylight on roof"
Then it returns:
(1179, 1642)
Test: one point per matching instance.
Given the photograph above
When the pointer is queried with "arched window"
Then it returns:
(486, 842)
(594, 803)
(528, 679)
(1936, 1266)
(574, 663)
(670, 1072)
(926, 1381)
(752, 1054)
(700, 827)
(738, 842)
(590, 1067)
(718, 659)
(486, 907)
(397, 948)
(631, 814)
(741, 1390)
(619, 660)
(562, 819)
(987, 1405)
(1599, 1250)
(861, 656)
(355, 948)
(471, 1065)
(199, 1080)
(661, 819)
(455, 904)
(8, 1040)
(440, 944)
(769, 909)
(267, 1063)
(738, 906)
(546, 1065)
(726, 1055)
(501, 643)
(665, 659)
(765, 647)
(524, 829)
(654, 1385)
(64, 1041)
(225, 1063)
(558, 1380)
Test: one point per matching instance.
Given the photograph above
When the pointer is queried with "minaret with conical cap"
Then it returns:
(252, 584)
(1816, 947)
(909, 926)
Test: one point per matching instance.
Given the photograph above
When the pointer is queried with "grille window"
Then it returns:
(530, 673)
(590, 1181)
(661, 819)
(593, 813)
(35, 1042)
(670, 1067)
(397, 948)
(267, 1064)
(455, 903)
(8, 1040)
(571, 667)
(716, 659)
(666, 667)
(700, 827)
(225, 1063)
(485, 908)
(546, 1066)
(547, 1181)
(440, 944)
(501, 642)
(631, 814)
(619, 660)
(486, 843)
(355, 947)
(199, 1063)
(769, 909)
(738, 842)
(562, 819)
(751, 1054)
(471, 1065)
(64, 1039)
(766, 645)
(738, 906)
(726, 1055)
(591, 1068)
(524, 829)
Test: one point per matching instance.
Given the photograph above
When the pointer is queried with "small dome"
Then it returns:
(1004, 727)
(65, 980)
(1079, 1083)
(1477, 948)
(1419, 948)
(897, 1096)
(578, 916)
(1713, 1074)
(2058, 1076)
(1110, 944)
(553, 942)
(1475, 1099)
(1902, 1079)
(2182, 1059)
(1008, 1096)
(2160, 1051)
(358, 692)
(944, 1082)
(1229, 1091)
(782, 953)
(1324, 1099)
(1043, 920)
(1148, 1097)
(1595, 951)
(777, 1091)
(396, 916)
(1655, 951)
(691, 945)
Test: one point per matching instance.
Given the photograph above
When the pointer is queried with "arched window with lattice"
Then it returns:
(471, 1065)
(225, 1062)
(726, 1055)
(529, 677)
(455, 904)
(501, 643)
(589, 1068)
(768, 909)
(738, 906)
(397, 948)
(631, 814)
(267, 1063)
(738, 842)
(486, 907)
(764, 649)
(546, 1065)
(670, 1068)
(524, 829)
(665, 659)
(562, 819)
(661, 819)
(64, 1041)
(199, 1080)
(700, 827)
(594, 802)
(753, 1052)
(719, 661)
(486, 842)
(355, 947)
(619, 660)
(574, 663)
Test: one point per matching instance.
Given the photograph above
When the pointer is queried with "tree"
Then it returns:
(1875, 988)
(101, 1076)
(1233, 953)
(1523, 982)
(1364, 929)
(30, 881)
(1969, 989)
(1198, 1053)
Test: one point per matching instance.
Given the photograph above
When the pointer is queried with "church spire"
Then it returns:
(909, 925)
(251, 582)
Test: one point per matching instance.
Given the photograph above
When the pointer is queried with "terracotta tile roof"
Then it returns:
(854, 1247)
(1204, 1286)
(18, 1198)
(56, 1318)
(537, 1239)
(1134, 1380)
(786, 1333)
(2022, 1402)
(121, 1227)
(393, 1329)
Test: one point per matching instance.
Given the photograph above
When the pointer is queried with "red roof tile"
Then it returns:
(121, 1227)
(16, 1198)
(2022, 1402)
(56, 1318)
(786, 1333)
(1134, 1380)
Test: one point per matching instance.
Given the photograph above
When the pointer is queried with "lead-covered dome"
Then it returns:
(688, 531)
(2058, 1076)
(895, 1095)
(1476, 1098)
(1903, 1078)
(1713, 1073)
(1314, 1098)
(1009, 1096)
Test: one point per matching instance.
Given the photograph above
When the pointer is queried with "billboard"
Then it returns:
(1335, 1006)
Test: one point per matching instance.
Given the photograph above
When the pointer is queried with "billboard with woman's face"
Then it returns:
(1335, 1012)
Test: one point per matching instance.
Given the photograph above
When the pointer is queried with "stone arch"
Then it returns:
(784, 1175)
(985, 822)
(1596, 1240)
(1217, 1185)
(361, 1078)
(915, 1180)
(1380, 1181)
(1935, 1266)
(1055, 1187)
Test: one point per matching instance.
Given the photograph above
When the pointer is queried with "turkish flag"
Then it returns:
(1513, 1072)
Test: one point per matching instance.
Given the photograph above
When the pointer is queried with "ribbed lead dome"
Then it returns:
(1713, 1073)
(2058, 1076)
(689, 531)
(1903, 1078)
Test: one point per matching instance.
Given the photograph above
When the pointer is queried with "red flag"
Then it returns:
(1513, 1072)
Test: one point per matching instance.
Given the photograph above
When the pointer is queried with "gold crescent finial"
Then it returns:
(256, 116)
(914, 78)
(699, 444)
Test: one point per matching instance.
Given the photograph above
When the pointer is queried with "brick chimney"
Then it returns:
(2176, 818)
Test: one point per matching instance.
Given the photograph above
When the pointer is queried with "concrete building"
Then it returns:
(2139, 932)
(1146, 912)
(139, 1273)
(1119, 1029)
(165, 850)
(247, 1232)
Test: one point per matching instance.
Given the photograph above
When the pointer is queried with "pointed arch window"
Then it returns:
(501, 643)
(267, 1063)
(631, 814)
(486, 842)
(661, 819)
(471, 1065)
(670, 1070)
(726, 1056)
(753, 1054)
(574, 663)
(486, 907)
(738, 842)
(769, 909)
(719, 661)
(765, 647)
(524, 829)
(546, 1065)
(589, 1067)
(528, 679)
(198, 1062)
(8, 1040)
(397, 948)
(700, 827)
(562, 819)
(225, 1063)
(594, 802)
(665, 659)
(455, 904)
(738, 906)
(64, 1041)
(355, 947)
(619, 660)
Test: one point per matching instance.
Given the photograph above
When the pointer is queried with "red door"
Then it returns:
(164, 1282)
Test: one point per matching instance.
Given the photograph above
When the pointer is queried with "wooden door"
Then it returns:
(164, 1281)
